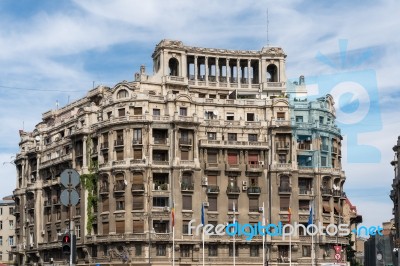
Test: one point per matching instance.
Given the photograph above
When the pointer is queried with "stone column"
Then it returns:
(206, 69)
(217, 69)
(248, 71)
(84, 158)
(228, 70)
(238, 72)
(259, 71)
(195, 69)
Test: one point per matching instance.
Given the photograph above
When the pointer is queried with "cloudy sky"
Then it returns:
(56, 50)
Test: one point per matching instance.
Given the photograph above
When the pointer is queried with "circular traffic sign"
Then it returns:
(69, 196)
(69, 177)
(337, 256)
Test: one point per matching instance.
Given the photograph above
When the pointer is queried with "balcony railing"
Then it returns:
(159, 162)
(337, 193)
(232, 190)
(119, 187)
(282, 145)
(186, 142)
(187, 186)
(304, 191)
(326, 191)
(160, 140)
(104, 146)
(119, 143)
(163, 186)
(253, 190)
(324, 147)
(137, 187)
(304, 146)
(104, 189)
(212, 189)
(137, 141)
(284, 190)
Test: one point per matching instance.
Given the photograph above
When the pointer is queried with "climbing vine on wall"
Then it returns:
(89, 183)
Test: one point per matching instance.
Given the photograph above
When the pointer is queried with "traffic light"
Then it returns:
(66, 244)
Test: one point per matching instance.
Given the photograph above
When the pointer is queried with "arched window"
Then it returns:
(122, 94)
(119, 182)
(173, 67)
(272, 73)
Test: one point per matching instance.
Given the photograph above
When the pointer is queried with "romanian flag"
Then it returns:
(290, 214)
(173, 215)
(310, 218)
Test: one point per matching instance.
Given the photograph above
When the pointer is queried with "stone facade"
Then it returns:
(213, 126)
(7, 233)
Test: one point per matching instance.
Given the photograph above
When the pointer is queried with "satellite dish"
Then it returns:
(37, 138)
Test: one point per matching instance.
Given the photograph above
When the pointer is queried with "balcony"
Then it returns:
(30, 204)
(253, 190)
(212, 166)
(119, 143)
(56, 201)
(304, 191)
(337, 193)
(232, 167)
(138, 188)
(137, 142)
(212, 189)
(281, 145)
(233, 190)
(326, 192)
(104, 146)
(104, 189)
(254, 167)
(47, 203)
(185, 142)
(304, 146)
(159, 162)
(284, 190)
(187, 187)
(161, 186)
(119, 187)
(160, 141)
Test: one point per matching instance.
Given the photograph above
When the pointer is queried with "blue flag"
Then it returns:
(202, 214)
(310, 218)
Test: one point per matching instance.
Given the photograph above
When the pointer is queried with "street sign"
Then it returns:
(69, 197)
(338, 256)
(337, 248)
(69, 177)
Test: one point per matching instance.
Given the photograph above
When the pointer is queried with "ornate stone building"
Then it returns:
(213, 126)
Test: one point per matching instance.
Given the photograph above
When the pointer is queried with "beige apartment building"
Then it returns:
(7, 233)
(210, 126)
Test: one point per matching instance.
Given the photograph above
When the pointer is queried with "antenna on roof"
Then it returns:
(267, 29)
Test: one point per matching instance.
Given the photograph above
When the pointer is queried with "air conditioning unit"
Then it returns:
(261, 163)
(166, 209)
(244, 183)
(244, 188)
(260, 209)
(204, 181)
(206, 204)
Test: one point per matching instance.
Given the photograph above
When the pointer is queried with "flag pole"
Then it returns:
(311, 221)
(290, 238)
(234, 242)
(173, 233)
(263, 239)
(202, 229)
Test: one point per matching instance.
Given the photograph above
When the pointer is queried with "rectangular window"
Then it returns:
(212, 180)
(106, 205)
(187, 202)
(137, 154)
(254, 251)
(137, 111)
(120, 227)
(326, 206)
(232, 158)
(186, 251)
(282, 158)
(138, 227)
(252, 158)
(1, 240)
(213, 203)
(321, 120)
(1, 225)
(77, 231)
(323, 161)
(304, 205)
(250, 117)
(280, 116)
(284, 203)
(121, 112)
(161, 250)
(184, 155)
(156, 112)
(11, 223)
(211, 135)
(120, 203)
(232, 137)
(160, 202)
(232, 201)
(11, 210)
(183, 111)
(212, 157)
(212, 250)
(252, 137)
(306, 251)
(138, 250)
(283, 252)
(230, 116)
(120, 155)
(299, 119)
(161, 227)
(137, 202)
(253, 205)
(137, 136)
(231, 250)
(185, 228)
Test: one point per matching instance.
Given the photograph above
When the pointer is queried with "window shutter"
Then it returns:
(120, 227)
(138, 227)
(137, 179)
(106, 204)
(212, 204)
(253, 157)
(184, 155)
(106, 228)
(137, 203)
(212, 180)
(137, 154)
(212, 157)
(253, 204)
(232, 158)
(187, 202)
(326, 206)
(284, 201)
